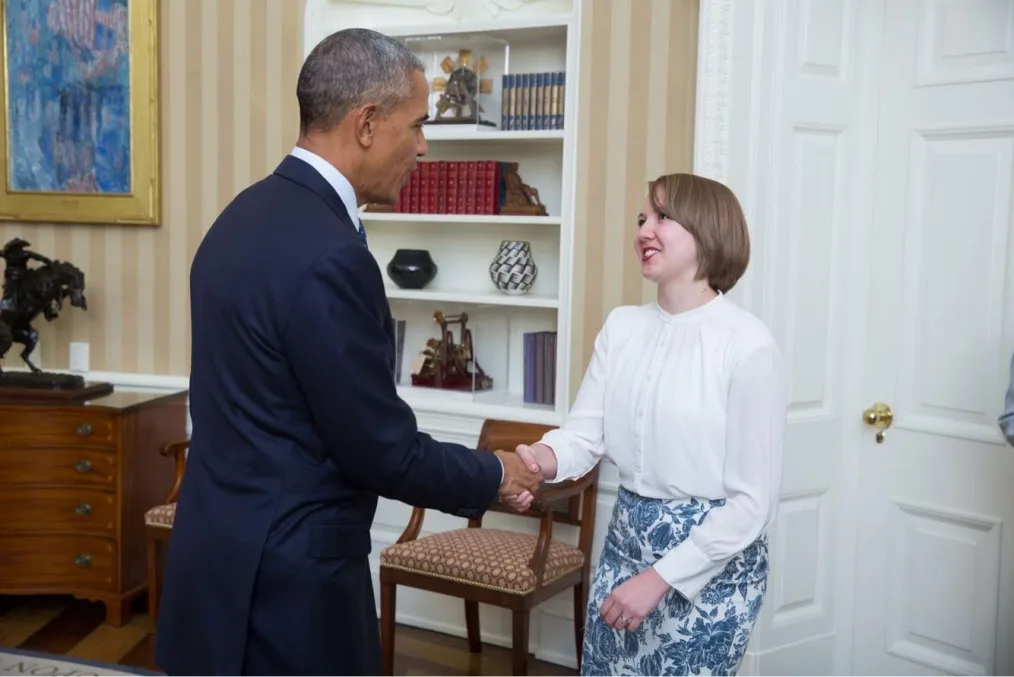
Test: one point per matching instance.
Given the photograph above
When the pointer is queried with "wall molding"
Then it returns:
(714, 84)
(137, 382)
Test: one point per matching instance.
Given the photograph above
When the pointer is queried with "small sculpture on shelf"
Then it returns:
(460, 90)
(412, 268)
(27, 293)
(446, 365)
(518, 197)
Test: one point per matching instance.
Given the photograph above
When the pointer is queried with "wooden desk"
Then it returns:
(75, 481)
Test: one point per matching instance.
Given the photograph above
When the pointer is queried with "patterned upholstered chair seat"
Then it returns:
(161, 516)
(487, 558)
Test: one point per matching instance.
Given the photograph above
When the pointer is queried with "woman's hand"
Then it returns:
(630, 602)
(539, 456)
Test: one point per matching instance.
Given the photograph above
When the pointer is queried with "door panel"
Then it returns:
(812, 173)
(934, 581)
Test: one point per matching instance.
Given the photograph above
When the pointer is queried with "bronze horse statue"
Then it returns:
(42, 291)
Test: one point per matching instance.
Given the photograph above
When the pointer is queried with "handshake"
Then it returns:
(523, 473)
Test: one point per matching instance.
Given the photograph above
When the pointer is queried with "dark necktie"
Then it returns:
(362, 234)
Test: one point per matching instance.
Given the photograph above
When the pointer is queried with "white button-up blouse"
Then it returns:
(686, 405)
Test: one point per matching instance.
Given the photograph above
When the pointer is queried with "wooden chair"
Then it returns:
(158, 523)
(503, 568)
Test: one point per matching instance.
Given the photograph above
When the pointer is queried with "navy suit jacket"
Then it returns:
(297, 429)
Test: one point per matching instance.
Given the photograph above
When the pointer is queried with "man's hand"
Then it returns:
(539, 458)
(630, 602)
(520, 481)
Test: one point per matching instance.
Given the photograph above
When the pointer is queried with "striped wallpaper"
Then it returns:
(228, 71)
(636, 121)
(227, 90)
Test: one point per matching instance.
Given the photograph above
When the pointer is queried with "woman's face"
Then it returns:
(666, 250)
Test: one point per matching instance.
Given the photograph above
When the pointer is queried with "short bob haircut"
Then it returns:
(710, 212)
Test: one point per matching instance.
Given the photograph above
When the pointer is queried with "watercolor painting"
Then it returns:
(79, 112)
(68, 90)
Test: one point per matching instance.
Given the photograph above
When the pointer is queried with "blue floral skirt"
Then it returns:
(706, 636)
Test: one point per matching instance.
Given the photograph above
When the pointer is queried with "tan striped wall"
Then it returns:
(636, 110)
(227, 90)
(229, 115)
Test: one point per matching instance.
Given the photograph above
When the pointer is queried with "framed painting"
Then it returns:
(79, 112)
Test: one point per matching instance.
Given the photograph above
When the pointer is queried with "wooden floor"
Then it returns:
(70, 627)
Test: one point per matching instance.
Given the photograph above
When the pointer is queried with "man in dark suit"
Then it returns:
(297, 425)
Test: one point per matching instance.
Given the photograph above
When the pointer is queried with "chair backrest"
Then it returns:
(507, 435)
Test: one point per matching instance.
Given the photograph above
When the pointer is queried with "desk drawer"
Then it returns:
(69, 467)
(74, 562)
(69, 511)
(47, 427)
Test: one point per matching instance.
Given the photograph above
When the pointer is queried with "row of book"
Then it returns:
(540, 367)
(532, 101)
(453, 187)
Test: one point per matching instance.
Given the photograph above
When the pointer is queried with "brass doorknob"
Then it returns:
(880, 417)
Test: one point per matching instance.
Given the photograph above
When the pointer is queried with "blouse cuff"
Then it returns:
(687, 569)
(557, 441)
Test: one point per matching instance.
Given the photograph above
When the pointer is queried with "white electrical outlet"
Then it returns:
(79, 357)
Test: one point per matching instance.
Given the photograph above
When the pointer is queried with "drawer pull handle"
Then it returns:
(83, 466)
(83, 560)
(83, 509)
(84, 430)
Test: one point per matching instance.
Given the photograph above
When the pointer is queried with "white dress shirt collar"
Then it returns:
(341, 185)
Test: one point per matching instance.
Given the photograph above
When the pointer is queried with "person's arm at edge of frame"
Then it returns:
(1006, 419)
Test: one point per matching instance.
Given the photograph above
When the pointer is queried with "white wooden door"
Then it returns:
(934, 577)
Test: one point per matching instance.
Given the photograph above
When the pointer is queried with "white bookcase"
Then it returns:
(543, 37)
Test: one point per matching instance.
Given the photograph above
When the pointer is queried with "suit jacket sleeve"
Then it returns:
(342, 357)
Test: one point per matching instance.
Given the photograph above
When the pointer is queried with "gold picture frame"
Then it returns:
(139, 200)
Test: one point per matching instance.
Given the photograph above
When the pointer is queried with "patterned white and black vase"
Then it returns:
(513, 270)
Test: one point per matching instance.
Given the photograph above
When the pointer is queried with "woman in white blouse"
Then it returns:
(687, 397)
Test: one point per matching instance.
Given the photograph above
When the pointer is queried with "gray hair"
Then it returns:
(352, 68)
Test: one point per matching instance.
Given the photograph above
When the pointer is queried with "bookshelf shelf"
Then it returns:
(492, 404)
(434, 133)
(518, 340)
(526, 301)
(491, 219)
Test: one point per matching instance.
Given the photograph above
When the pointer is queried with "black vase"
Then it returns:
(412, 268)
